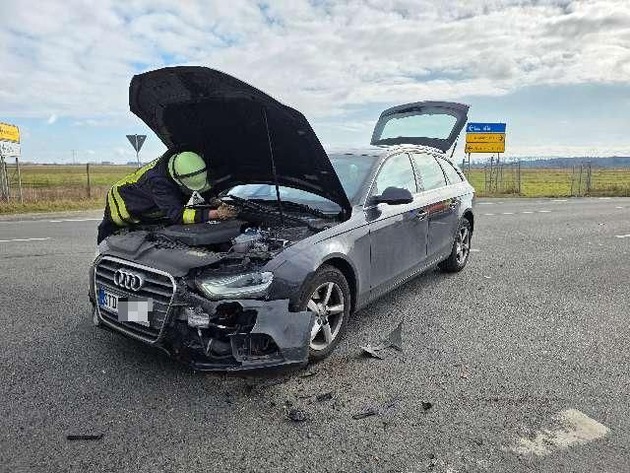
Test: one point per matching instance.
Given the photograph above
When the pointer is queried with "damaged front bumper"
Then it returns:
(227, 335)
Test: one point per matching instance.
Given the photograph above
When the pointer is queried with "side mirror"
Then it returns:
(393, 196)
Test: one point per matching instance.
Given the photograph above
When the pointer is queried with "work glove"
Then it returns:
(224, 212)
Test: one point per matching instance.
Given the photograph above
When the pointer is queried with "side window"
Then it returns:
(451, 174)
(395, 172)
(431, 174)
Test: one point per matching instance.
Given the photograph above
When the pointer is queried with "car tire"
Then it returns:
(461, 249)
(328, 295)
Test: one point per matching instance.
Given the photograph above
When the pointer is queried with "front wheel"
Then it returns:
(328, 297)
(461, 249)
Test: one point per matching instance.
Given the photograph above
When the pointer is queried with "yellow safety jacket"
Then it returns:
(148, 195)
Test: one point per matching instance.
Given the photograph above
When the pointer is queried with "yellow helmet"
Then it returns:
(189, 170)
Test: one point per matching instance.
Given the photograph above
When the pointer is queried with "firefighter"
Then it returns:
(159, 191)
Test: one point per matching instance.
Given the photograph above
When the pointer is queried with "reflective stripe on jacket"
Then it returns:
(149, 194)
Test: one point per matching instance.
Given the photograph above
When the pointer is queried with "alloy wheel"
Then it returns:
(463, 245)
(327, 302)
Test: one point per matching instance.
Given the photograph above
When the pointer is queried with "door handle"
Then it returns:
(421, 215)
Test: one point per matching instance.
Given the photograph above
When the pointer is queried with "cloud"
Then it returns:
(339, 62)
(322, 57)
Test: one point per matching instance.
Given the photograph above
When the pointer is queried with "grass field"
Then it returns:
(61, 187)
(65, 187)
(557, 183)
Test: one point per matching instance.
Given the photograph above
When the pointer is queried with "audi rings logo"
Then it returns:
(128, 280)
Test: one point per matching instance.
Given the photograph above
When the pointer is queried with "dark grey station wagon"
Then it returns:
(317, 236)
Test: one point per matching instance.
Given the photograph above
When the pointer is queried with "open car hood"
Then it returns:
(225, 120)
(435, 124)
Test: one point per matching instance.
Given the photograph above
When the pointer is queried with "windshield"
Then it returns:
(352, 171)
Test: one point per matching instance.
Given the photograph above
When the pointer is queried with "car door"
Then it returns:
(441, 205)
(398, 233)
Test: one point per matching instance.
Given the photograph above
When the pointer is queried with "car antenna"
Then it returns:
(273, 165)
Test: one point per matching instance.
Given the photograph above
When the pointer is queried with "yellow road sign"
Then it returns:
(485, 137)
(9, 133)
(485, 147)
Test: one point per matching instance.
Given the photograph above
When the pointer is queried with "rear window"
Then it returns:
(451, 173)
(430, 173)
(412, 124)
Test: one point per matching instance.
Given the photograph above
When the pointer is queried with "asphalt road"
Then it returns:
(535, 325)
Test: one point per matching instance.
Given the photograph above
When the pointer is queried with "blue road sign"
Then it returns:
(485, 128)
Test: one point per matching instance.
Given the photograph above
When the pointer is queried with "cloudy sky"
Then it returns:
(557, 71)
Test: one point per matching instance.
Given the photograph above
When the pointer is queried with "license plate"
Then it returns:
(108, 301)
(126, 309)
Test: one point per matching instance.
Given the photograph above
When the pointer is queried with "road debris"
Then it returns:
(324, 397)
(260, 387)
(369, 412)
(426, 405)
(85, 437)
(297, 415)
(384, 410)
(393, 340)
(372, 351)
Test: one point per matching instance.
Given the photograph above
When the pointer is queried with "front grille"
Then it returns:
(158, 286)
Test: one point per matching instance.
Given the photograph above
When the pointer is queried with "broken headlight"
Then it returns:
(247, 285)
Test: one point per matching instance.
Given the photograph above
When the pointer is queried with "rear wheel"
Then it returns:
(328, 297)
(461, 249)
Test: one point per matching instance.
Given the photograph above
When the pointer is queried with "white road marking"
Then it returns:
(12, 240)
(572, 427)
(560, 200)
(486, 203)
(475, 250)
(13, 222)
(489, 214)
(75, 220)
(508, 213)
(544, 211)
(619, 207)
(527, 212)
(605, 198)
(623, 236)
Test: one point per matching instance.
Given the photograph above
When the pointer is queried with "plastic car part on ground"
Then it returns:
(385, 409)
(393, 340)
(297, 415)
(84, 436)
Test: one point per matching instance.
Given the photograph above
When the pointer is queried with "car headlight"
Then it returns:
(236, 286)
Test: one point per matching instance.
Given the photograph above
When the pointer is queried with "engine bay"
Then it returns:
(236, 237)
(253, 236)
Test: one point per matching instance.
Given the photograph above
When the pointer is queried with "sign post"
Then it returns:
(486, 138)
(137, 141)
(9, 147)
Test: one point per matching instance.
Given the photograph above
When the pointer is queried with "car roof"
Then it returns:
(373, 151)
(384, 151)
